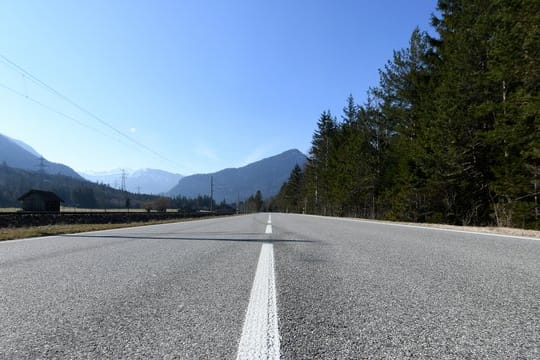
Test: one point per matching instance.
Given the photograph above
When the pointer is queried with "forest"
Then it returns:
(450, 134)
(83, 194)
(75, 192)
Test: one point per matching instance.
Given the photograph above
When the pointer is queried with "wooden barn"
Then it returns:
(39, 200)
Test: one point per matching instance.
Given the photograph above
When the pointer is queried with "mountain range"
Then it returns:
(16, 154)
(267, 176)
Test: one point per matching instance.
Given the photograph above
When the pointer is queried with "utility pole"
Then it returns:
(123, 188)
(42, 167)
(211, 193)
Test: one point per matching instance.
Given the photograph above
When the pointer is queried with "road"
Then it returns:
(298, 287)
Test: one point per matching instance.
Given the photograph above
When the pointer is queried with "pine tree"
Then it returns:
(450, 134)
(513, 72)
(292, 196)
(320, 163)
(403, 92)
(459, 155)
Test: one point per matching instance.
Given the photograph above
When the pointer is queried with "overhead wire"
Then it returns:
(39, 82)
(58, 112)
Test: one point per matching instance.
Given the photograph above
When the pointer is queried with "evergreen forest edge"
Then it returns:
(449, 135)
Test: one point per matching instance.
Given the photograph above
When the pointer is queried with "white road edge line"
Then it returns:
(447, 230)
(382, 222)
(260, 334)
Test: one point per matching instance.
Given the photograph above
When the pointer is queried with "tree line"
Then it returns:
(76, 193)
(450, 134)
(79, 193)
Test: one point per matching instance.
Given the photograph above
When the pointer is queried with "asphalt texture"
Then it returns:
(360, 290)
(346, 289)
(157, 292)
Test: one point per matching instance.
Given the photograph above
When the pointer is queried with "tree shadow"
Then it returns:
(123, 239)
(191, 238)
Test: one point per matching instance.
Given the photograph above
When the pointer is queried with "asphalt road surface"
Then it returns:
(297, 287)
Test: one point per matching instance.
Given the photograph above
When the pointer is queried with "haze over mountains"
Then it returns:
(16, 154)
(144, 181)
(266, 175)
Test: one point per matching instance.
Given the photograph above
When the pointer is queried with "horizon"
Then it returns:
(188, 88)
(129, 171)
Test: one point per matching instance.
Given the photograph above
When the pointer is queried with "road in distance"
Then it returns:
(345, 289)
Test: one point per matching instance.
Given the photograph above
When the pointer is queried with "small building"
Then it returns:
(39, 200)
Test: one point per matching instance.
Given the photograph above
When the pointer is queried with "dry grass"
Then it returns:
(48, 230)
(75, 209)
(9, 209)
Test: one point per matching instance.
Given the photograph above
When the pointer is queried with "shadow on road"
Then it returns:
(198, 238)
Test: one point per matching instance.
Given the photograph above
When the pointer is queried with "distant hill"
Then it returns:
(25, 146)
(113, 177)
(152, 181)
(75, 192)
(144, 181)
(16, 154)
(266, 175)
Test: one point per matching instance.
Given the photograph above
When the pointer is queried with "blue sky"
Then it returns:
(203, 84)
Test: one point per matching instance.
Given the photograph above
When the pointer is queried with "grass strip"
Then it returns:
(49, 230)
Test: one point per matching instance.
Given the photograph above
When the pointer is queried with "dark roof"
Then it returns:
(47, 195)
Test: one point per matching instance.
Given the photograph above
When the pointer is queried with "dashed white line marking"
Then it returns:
(260, 335)
(269, 225)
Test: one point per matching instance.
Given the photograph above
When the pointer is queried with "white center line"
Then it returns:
(269, 225)
(260, 334)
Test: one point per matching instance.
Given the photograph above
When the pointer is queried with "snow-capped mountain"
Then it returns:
(145, 181)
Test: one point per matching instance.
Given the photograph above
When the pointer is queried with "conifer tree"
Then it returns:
(321, 162)
(450, 134)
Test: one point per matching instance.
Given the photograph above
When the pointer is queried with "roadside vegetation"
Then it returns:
(451, 134)
(49, 230)
(74, 192)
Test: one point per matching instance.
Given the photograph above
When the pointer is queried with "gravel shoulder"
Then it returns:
(485, 229)
(480, 229)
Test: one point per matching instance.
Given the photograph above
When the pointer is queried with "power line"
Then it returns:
(37, 102)
(37, 81)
